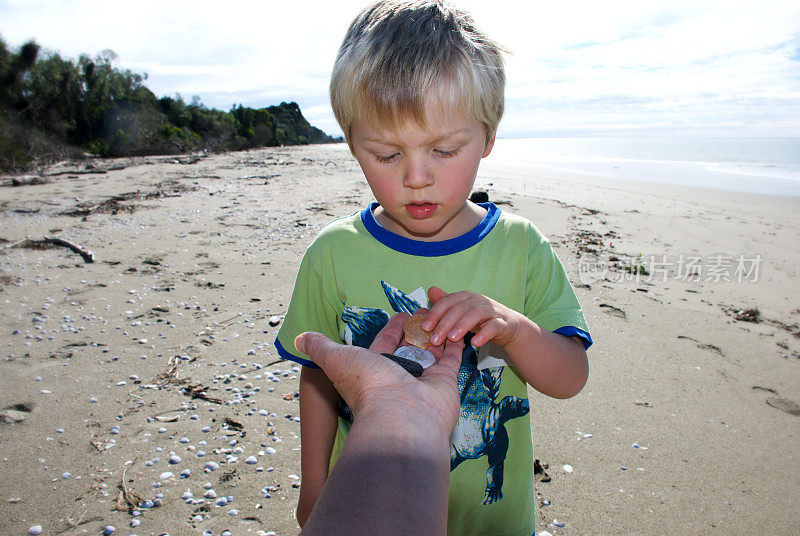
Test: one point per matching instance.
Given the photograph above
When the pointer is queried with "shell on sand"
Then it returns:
(414, 333)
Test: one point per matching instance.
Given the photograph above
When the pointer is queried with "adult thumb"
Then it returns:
(314, 344)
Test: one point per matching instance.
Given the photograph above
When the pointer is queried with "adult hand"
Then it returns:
(392, 476)
(365, 379)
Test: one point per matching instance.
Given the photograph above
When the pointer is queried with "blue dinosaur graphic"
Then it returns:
(365, 323)
(480, 430)
(399, 300)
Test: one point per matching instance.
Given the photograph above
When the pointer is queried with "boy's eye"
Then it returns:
(385, 159)
(447, 154)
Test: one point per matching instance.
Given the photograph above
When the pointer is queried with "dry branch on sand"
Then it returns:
(49, 241)
(127, 501)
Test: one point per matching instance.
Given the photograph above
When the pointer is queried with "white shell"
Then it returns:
(412, 353)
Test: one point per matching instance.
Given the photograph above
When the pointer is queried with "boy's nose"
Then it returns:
(417, 174)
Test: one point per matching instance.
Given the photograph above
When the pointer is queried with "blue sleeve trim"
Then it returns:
(571, 331)
(285, 354)
(430, 249)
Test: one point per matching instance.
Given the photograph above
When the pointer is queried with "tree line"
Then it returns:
(53, 108)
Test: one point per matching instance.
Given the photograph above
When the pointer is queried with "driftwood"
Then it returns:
(127, 501)
(94, 171)
(18, 243)
(28, 180)
(87, 255)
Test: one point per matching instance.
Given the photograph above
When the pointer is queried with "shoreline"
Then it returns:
(747, 165)
(162, 348)
(642, 186)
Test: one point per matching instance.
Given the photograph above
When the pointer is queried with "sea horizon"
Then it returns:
(759, 165)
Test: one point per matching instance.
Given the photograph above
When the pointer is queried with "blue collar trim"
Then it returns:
(430, 249)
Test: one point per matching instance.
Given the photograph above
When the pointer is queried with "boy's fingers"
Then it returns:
(485, 334)
(390, 336)
(435, 294)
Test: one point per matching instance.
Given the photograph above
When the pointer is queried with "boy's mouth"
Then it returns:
(420, 211)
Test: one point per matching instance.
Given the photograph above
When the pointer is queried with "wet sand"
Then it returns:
(150, 372)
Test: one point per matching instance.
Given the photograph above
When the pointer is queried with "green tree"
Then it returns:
(49, 103)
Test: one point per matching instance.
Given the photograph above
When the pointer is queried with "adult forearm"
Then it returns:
(395, 469)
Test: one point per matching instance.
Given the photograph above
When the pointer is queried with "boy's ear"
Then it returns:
(489, 146)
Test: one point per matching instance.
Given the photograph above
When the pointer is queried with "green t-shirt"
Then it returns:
(356, 274)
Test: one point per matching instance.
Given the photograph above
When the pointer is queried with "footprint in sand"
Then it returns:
(15, 413)
(613, 311)
(704, 346)
(778, 402)
(789, 406)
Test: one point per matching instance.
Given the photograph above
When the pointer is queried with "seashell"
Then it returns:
(412, 328)
(416, 354)
(211, 466)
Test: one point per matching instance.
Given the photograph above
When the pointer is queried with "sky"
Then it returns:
(576, 68)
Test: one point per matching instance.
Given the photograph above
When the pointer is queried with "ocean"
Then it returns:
(753, 165)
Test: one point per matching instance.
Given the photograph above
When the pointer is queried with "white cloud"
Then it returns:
(166, 69)
(613, 64)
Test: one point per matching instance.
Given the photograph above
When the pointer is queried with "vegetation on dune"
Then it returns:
(53, 108)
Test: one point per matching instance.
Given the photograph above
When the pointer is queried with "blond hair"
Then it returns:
(399, 53)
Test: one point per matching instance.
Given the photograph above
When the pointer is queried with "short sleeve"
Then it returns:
(310, 309)
(550, 300)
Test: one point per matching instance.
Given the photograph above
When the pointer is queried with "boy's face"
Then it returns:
(423, 177)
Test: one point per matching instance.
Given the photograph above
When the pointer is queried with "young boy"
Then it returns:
(418, 92)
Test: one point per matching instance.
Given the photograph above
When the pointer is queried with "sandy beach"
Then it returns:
(149, 375)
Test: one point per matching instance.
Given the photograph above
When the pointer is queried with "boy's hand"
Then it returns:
(452, 316)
